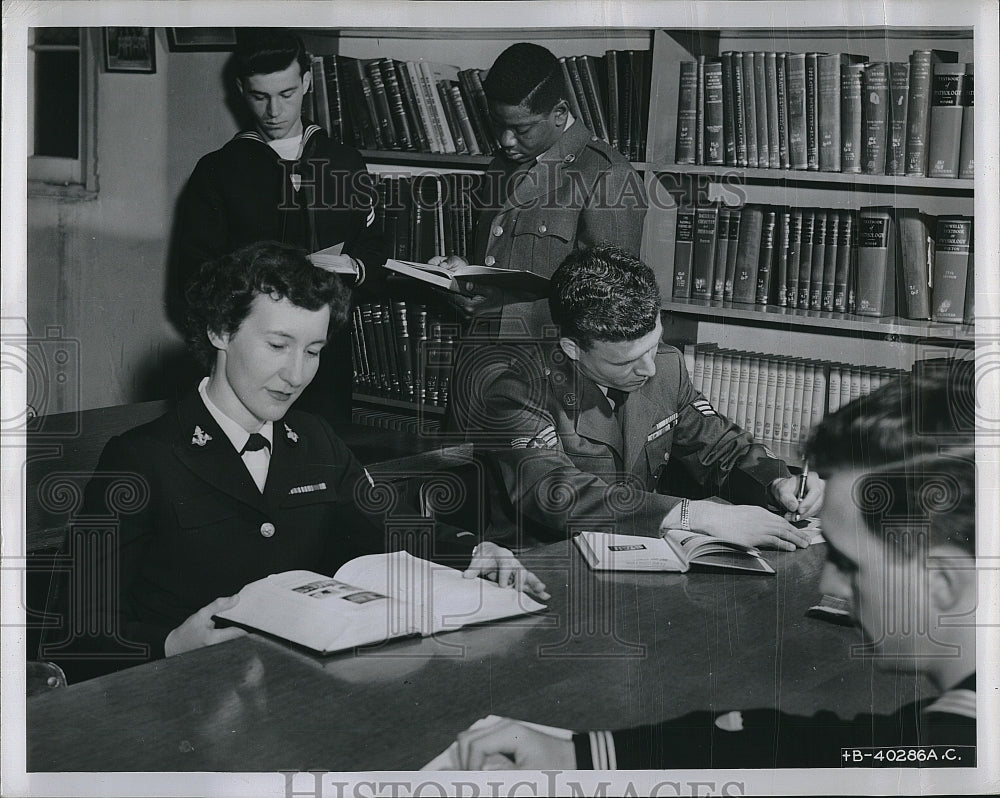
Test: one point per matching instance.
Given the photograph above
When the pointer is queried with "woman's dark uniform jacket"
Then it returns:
(556, 456)
(244, 192)
(766, 738)
(190, 525)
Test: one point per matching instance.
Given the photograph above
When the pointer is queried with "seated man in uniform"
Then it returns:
(580, 419)
(216, 484)
(900, 530)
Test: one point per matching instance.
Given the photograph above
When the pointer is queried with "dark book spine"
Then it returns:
(966, 161)
(805, 258)
(462, 117)
(812, 118)
(320, 96)
(845, 250)
(383, 114)
(418, 349)
(581, 95)
(876, 263)
(773, 131)
(714, 141)
(899, 100)
(748, 254)
(830, 259)
(592, 88)
(412, 107)
(761, 111)
(361, 122)
(642, 66)
(699, 123)
(478, 131)
(818, 261)
(721, 253)
(614, 102)
(798, 128)
(765, 261)
(403, 355)
(401, 124)
(946, 120)
(828, 111)
(918, 116)
(334, 99)
(851, 77)
(953, 244)
(794, 258)
(969, 317)
(686, 113)
(750, 110)
(916, 256)
(683, 252)
(574, 103)
(706, 230)
(728, 111)
(781, 259)
(740, 110)
(451, 117)
(479, 95)
(735, 222)
(781, 85)
(875, 111)
(633, 139)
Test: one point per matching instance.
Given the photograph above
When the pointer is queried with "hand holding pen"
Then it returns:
(802, 496)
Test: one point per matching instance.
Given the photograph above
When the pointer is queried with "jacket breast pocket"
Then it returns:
(196, 512)
(542, 238)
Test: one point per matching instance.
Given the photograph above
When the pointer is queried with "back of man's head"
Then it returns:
(526, 74)
(603, 294)
(262, 51)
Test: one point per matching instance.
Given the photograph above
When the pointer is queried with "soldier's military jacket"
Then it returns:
(580, 192)
(557, 458)
(766, 738)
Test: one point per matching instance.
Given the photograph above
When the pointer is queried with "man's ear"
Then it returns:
(560, 113)
(306, 82)
(570, 347)
(952, 578)
(218, 340)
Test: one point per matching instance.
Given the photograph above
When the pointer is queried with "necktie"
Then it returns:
(255, 443)
(618, 397)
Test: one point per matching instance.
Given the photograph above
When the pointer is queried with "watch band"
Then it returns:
(686, 515)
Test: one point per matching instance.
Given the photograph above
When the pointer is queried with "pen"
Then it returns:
(369, 477)
(800, 494)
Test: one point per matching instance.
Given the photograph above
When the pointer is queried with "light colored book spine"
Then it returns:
(734, 386)
(714, 386)
(779, 400)
(727, 377)
(854, 389)
(419, 93)
(433, 101)
(803, 377)
(743, 390)
(751, 398)
(762, 380)
(833, 389)
(790, 406)
(769, 400)
(819, 396)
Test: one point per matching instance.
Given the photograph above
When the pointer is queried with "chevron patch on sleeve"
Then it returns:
(704, 407)
(546, 439)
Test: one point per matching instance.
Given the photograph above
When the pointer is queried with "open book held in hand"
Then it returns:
(452, 279)
(330, 259)
(370, 599)
(675, 551)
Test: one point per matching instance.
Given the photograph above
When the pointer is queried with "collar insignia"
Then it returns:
(291, 434)
(200, 437)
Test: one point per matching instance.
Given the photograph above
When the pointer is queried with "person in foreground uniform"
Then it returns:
(234, 484)
(900, 534)
(285, 180)
(577, 422)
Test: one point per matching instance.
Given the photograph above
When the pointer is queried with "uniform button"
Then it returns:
(267, 529)
(666, 455)
(571, 157)
(498, 231)
(490, 260)
(542, 228)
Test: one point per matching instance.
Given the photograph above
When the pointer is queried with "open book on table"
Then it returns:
(448, 279)
(371, 599)
(675, 551)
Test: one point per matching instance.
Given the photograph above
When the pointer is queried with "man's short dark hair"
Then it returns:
(916, 413)
(603, 294)
(526, 74)
(221, 293)
(261, 51)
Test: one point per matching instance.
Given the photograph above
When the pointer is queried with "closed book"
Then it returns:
(946, 120)
(761, 110)
(877, 262)
(899, 99)
(966, 159)
(699, 123)
(735, 218)
(916, 255)
(741, 364)
(641, 76)
(805, 257)
(401, 124)
(683, 252)
(771, 397)
(875, 111)
(798, 402)
(812, 116)
(765, 262)
(771, 96)
(760, 401)
(403, 356)
(918, 113)
(416, 80)
(383, 114)
(590, 77)
(714, 140)
(320, 97)
(781, 259)
(846, 240)
(969, 316)
(451, 119)
(614, 102)
(749, 422)
(715, 372)
(788, 405)
(479, 96)
(411, 106)
(361, 121)
(334, 100)
(851, 78)
(781, 98)
(829, 110)
(479, 126)
(725, 385)
(818, 409)
(581, 95)
(430, 74)
(750, 109)
(833, 388)
(464, 122)
(795, 92)
(818, 260)
(747, 254)
(830, 259)
(952, 264)
(706, 231)
(740, 108)
(794, 258)
(571, 98)
(686, 113)
(721, 250)
(728, 111)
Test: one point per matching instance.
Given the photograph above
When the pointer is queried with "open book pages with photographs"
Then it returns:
(452, 279)
(371, 599)
(676, 550)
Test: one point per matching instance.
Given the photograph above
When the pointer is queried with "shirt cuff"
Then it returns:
(359, 265)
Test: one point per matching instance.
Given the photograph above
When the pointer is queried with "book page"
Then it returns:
(608, 552)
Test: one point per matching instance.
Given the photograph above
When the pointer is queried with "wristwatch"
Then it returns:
(685, 515)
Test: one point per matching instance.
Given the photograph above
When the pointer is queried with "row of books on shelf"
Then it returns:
(425, 215)
(422, 106)
(777, 399)
(877, 261)
(380, 418)
(402, 351)
(829, 112)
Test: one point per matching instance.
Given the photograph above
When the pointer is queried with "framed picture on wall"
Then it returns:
(200, 39)
(129, 50)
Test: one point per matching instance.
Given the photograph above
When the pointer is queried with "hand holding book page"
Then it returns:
(370, 599)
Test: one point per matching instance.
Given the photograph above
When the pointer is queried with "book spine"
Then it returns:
(728, 110)
(798, 402)
(699, 123)
(705, 234)
(740, 109)
(581, 95)
(798, 136)
(916, 250)
(919, 105)
(432, 100)
(741, 366)
(411, 106)
(592, 88)
(845, 250)
(781, 260)
(479, 95)
(765, 261)
(899, 99)
(683, 252)
(714, 141)
(478, 129)
(953, 244)
(574, 104)
(334, 99)
(415, 76)
(876, 275)
(403, 355)
(966, 161)
(686, 112)
(818, 261)
(462, 113)
(833, 388)
(401, 124)
(630, 109)
(781, 100)
(761, 110)
(770, 398)
(969, 316)
(418, 349)
(851, 155)
(812, 119)
(945, 120)
(875, 112)
(773, 126)
(721, 252)
(830, 259)
(320, 96)
(451, 116)
(828, 111)
(642, 66)
(750, 110)
(735, 223)
(805, 258)
(362, 133)
(760, 403)
(383, 114)
(614, 102)
(747, 254)
(794, 259)
(722, 402)
(788, 405)
(749, 422)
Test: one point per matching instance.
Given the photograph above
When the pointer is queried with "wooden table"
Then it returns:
(610, 651)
